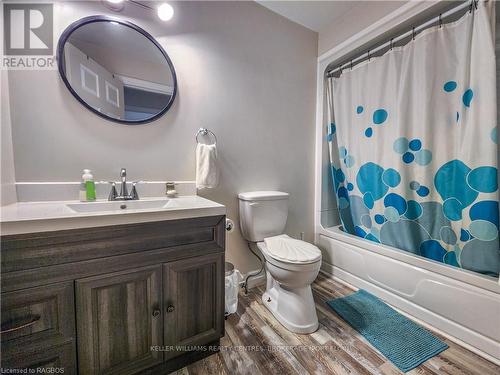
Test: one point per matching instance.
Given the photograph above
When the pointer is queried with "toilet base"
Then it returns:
(293, 308)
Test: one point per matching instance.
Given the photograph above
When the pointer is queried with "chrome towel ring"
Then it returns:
(206, 132)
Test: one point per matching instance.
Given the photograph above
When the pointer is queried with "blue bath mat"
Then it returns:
(402, 341)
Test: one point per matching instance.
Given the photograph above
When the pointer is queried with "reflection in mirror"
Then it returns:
(116, 69)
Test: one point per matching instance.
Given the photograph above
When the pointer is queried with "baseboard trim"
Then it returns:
(399, 304)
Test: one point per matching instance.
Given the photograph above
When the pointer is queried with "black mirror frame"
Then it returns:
(100, 18)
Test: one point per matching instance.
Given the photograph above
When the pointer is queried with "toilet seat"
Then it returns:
(285, 249)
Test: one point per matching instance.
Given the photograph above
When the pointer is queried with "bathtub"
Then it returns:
(463, 305)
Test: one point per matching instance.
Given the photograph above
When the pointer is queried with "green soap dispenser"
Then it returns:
(87, 187)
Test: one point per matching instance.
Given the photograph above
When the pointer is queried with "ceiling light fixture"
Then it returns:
(114, 5)
(165, 12)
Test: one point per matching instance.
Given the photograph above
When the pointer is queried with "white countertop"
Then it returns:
(31, 217)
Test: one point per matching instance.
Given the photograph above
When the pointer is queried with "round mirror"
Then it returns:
(116, 69)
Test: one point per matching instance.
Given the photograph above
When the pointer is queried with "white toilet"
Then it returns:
(291, 265)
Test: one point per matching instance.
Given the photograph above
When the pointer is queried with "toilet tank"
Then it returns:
(262, 214)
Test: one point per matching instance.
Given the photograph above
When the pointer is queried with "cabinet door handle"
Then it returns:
(170, 309)
(23, 324)
(156, 312)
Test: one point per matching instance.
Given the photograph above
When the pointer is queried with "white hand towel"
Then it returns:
(206, 166)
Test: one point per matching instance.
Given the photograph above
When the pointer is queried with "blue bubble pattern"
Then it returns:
(450, 216)
(380, 116)
(391, 177)
(412, 151)
(425, 227)
(467, 97)
(415, 144)
(450, 86)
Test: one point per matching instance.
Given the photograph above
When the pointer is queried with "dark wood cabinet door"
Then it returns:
(193, 302)
(119, 320)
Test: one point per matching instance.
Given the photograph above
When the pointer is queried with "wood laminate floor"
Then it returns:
(255, 343)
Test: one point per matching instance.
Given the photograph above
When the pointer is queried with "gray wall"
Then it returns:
(243, 72)
(8, 178)
(7, 172)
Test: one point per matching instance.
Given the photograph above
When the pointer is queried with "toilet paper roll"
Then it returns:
(229, 225)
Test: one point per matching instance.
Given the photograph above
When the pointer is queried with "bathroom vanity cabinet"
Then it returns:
(127, 299)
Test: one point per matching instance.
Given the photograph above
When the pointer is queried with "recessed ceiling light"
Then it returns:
(115, 1)
(165, 12)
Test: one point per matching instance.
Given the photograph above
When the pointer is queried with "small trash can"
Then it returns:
(232, 286)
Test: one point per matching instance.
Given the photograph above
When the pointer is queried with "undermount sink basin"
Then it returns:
(117, 205)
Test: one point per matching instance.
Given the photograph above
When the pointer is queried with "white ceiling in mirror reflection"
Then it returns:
(122, 51)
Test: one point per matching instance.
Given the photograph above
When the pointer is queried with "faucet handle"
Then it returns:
(170, 189)
(123, 172)
(133, 194)
(112, 194)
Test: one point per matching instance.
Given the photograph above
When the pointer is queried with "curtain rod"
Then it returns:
(413, 31)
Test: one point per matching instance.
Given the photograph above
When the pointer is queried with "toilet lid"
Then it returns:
(290, 250)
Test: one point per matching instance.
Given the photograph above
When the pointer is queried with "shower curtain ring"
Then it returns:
(391, 45)
(440, 20)
(413, 34)
(368, 55)
(351, 64)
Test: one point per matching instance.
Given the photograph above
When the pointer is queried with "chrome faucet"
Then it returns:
(123, 187)
(124, 195)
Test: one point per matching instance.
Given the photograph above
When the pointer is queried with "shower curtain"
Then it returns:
(413, 145)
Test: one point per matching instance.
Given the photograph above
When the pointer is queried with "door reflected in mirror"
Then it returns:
(116, 69)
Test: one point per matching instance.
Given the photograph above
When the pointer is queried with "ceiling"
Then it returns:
(314, 15)
(317, 15)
